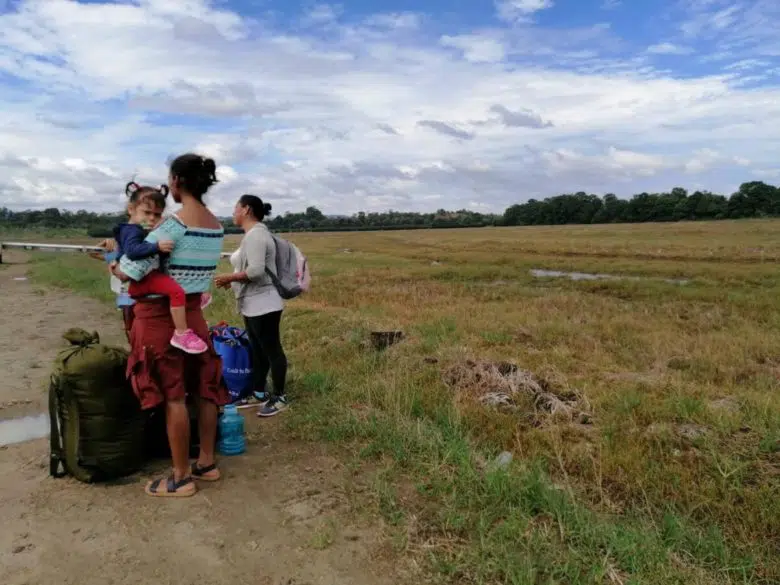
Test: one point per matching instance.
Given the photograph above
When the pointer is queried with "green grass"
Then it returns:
(76, 272)
(37, 234)
(674, 477)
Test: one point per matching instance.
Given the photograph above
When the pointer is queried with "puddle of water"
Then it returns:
(541, 273)
(25, 428)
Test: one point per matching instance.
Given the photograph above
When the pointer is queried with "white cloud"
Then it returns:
(706, 159)
(477, 48)
(346, 113)
(321, 14)
(669, 49)
(514, 10)
(620, 163)
(395, 20)
(747, 28)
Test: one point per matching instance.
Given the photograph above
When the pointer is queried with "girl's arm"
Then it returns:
(171, 230)
(136, 248)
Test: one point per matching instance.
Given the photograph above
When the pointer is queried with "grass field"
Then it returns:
(644, 420)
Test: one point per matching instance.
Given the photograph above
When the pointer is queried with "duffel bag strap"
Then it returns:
(56, 454)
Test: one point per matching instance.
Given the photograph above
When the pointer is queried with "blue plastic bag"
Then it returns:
(232, 344)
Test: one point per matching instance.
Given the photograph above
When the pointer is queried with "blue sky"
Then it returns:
(392, 104)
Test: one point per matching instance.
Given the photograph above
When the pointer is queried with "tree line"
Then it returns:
(754, 199)
(101, 224)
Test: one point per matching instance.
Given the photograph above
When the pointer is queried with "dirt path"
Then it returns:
(284, 514)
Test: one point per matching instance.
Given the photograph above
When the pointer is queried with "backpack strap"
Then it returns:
(56, 454)
(64, 435)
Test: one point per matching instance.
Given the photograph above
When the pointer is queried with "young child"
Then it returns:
(144, 209)
(123, 301)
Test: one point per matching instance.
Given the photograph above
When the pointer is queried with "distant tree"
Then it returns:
(314, 214)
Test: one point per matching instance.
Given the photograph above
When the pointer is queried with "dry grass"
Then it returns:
(507, 388)
(633, 407)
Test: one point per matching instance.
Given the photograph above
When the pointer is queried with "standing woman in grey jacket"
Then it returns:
(258, 301)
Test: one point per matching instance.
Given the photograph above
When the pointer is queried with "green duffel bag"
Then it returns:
(97, 426)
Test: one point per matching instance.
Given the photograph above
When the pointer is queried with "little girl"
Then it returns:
(144, 209)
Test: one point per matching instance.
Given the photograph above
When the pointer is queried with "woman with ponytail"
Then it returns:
(258, 301)
(158, 373)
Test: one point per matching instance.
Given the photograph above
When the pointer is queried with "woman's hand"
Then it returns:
(113, 268)
(108, 245)
(223, 280)
(165, 246)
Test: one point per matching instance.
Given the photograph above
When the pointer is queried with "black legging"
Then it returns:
(264, 336)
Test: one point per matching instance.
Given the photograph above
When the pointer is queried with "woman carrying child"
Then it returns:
(158, 372)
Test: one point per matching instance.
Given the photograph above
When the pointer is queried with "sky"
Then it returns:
(387, 104)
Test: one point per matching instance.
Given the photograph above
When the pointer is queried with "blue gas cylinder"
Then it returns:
(231, 432)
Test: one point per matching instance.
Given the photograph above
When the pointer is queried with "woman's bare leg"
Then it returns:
(207, 427)
(178, 424)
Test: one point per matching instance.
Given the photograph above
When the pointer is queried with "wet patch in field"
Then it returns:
(586, 276)
(25, 428)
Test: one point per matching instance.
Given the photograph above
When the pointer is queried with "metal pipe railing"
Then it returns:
(57, 248)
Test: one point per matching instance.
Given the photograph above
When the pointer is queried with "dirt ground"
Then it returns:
(284, 514)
